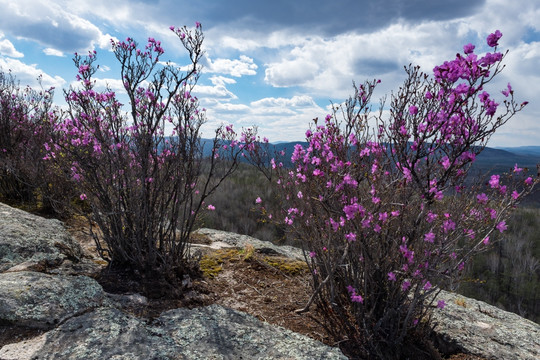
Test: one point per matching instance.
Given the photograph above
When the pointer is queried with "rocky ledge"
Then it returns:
(44, 285)
(41, 288)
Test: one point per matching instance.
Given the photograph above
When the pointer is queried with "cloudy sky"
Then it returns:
(278, 64)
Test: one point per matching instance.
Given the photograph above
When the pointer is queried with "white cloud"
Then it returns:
(52, 25)
(287, 73)
(53, 52)
(237, 67)
(221, 80)
(307, 61)
(295, 101)
(103, 84)
(7, 49)
(113, 84)
(230, 108)
(104, 68)
(278, 118)
(217, 90)
(29, 74)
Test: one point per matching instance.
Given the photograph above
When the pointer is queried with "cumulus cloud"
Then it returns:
(326, 18)
(295, 101)
(53, 52)
(29, 74)
(218, 89)
(49, 24)
(7, 49)
(296, 72)
(237, 67)
(278, 118)
(310, 54)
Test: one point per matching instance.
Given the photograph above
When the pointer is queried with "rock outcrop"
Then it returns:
(221, 239)
(40, 300)
(40, 288)
(477, 328)
(211, 332)
(29, 242)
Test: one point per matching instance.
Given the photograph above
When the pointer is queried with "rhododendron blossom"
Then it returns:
(392, 200)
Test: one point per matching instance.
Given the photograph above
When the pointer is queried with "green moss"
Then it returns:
(287, 266)
(212, 264)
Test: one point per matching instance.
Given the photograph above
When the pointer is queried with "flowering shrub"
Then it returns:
(27, 121)
(145, 187)
(385, 213)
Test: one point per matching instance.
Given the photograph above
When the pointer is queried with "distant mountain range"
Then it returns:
(491, 160)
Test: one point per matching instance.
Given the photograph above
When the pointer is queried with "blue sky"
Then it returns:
(278, 64)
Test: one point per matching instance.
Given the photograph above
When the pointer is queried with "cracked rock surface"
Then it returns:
(211, 332)
(41, 288)
(40, 300)
(481, 329)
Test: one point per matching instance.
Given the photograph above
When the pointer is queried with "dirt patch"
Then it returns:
(269, 289)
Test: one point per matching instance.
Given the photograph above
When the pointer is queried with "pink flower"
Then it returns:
(354, 297)
(427, 285)
(391, 276)
(406, 284)
(517, 169)
(83, 197)
(529, 181)
(445, 162)
(468, 49)
(482, 198)
(501, 226)
(486, 240)
(211, 207)
(350, 237)
(429, 237)
(508, 91)
(494, 181)
(413, 110)
(258, 200)
(492, 39)
(515, 195)
(312, 254)
(448, 225)
(441, 304)
(430, 217)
